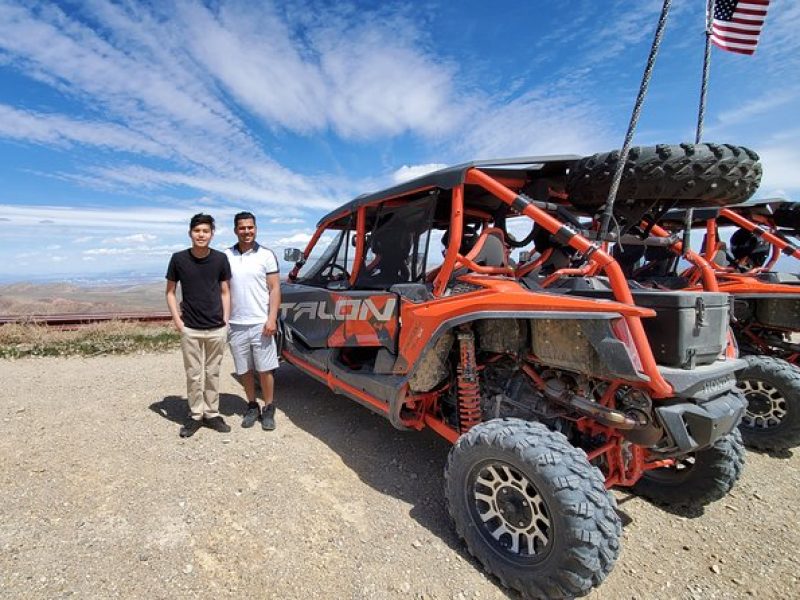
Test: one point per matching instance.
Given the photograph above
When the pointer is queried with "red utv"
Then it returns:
(766, 306)
(406, 301)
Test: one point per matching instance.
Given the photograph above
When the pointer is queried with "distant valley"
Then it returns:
(50, 298)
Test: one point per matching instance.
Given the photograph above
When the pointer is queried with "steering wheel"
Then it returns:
(337, 267)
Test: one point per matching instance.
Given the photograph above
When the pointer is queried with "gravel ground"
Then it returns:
(100, 498)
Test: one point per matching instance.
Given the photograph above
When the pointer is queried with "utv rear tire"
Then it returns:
(692, 174)
(532, 509)
(772, 389)
(696, 479)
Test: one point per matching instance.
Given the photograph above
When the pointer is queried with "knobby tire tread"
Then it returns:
(593, 530)
(713, 475)
(719, 174)
(786, 378)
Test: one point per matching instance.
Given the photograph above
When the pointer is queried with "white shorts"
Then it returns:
(251, 349)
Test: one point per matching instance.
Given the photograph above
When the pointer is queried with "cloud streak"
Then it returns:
(58, 130)
(88, 218)
(289, 109)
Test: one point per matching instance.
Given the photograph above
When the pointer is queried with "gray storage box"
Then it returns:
(689, 329)
(783, 313)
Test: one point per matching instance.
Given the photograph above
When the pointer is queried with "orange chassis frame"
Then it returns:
(623, 463)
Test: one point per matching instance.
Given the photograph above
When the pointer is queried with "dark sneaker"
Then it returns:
(268, 417)
(190, 428)
(251, 416)
(217, 424)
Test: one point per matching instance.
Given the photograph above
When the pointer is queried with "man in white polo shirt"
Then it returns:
(255, 300)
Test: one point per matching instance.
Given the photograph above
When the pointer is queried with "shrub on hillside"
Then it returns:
(18, 340)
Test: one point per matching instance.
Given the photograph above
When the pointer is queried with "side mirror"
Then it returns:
(524, 256)
(293, 255)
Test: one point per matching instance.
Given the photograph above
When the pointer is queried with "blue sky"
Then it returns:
(118, 121)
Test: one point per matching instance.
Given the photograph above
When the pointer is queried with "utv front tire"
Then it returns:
(772, 389)
(532, 509)
(696, 479)
(691, 174)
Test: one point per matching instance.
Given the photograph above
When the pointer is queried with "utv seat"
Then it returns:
(391, 248)
(490, 249)
(721, 257)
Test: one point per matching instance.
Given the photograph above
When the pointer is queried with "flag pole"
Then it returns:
(608, 211)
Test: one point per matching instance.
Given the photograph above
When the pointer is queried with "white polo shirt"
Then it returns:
(249, 293)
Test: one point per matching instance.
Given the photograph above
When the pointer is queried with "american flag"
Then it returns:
(737, 24)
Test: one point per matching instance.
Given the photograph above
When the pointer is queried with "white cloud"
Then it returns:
(759, 106)
(209, 95)
(158, 70)
(130, 65)
(66, 53)
(54, 247)
(779, 45)
(134, 251)
(539, 122)
(155, 75)
(781, 171)
(623, 28)
(269, 185)
(381, 83)
(58, 130)
(362, 77)
(408, 172)
(300, 238)
(123, 218)
(135, 238)
(254, 58)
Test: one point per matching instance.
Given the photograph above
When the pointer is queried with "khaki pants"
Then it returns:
(202, 357)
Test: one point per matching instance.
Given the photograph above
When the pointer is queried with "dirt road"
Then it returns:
(100, 498)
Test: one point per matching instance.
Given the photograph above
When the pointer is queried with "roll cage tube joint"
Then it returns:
(593, 253)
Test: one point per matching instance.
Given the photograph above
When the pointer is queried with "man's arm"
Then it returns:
(172, 304)
(274, 285)
(225, 292)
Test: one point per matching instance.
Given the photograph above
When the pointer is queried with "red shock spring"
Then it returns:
(469, 394)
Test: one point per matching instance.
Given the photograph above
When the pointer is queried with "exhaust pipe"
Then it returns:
(557, 392)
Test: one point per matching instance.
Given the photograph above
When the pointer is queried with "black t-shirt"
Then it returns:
(201, 305)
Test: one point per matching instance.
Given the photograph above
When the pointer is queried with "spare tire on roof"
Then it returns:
(689, 174)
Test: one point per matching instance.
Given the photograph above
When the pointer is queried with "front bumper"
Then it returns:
(694, 426)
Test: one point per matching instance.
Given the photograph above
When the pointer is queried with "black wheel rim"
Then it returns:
(766, 404)
(510, 512)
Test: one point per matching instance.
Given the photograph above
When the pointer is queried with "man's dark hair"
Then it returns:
(243, 216)
(201, 219)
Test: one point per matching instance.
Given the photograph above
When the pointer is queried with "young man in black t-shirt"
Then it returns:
(204, 275)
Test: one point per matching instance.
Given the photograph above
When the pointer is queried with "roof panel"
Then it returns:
(451, 177)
